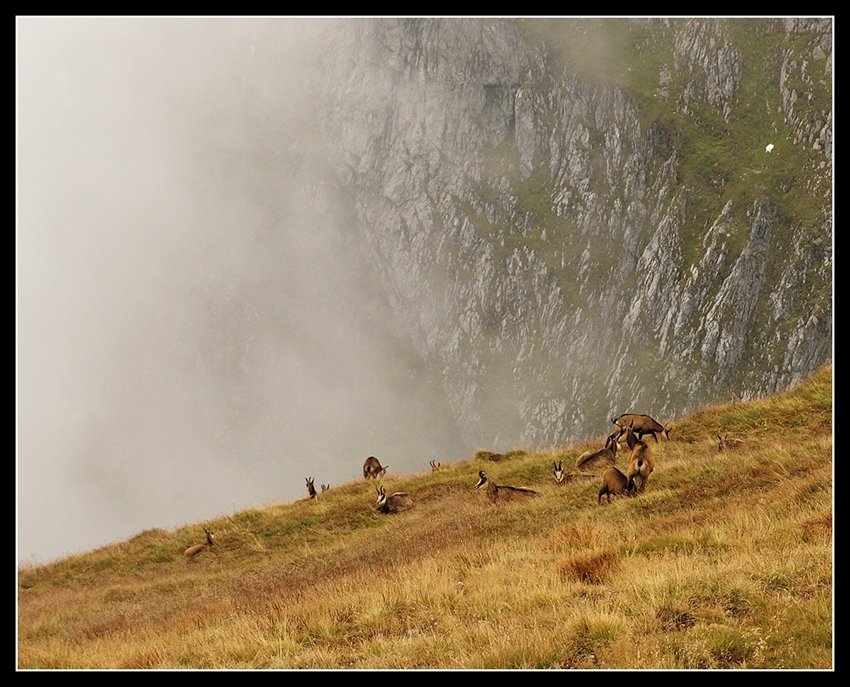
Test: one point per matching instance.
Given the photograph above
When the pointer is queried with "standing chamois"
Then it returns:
(498, 493)
(641, 425)
(193, 551)
(614, 483)
(372, 468)
(641, 463)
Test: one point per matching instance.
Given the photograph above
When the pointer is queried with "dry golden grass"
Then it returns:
(724, 562)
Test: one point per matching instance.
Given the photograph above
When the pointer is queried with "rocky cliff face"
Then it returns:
(560, 247)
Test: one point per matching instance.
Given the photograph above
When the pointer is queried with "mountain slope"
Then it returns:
(725, 561)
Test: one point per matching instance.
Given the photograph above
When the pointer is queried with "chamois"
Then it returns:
(194, 550)
(558, 471)
(372, 468)
(727, 444)
(613, 482)
(641, 425)
(434, 466)
(641, 463)
(498, 493)
(311, 491)
(562, 478)
(394, 503)
(325, 487)
(604, 456)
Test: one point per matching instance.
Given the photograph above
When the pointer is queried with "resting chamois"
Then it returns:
(394, 503)
(562, 478)
(498, 493)
(727, 444)
(193, 551)
(604, 456)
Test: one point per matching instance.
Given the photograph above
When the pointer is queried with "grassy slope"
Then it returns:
(725, 561)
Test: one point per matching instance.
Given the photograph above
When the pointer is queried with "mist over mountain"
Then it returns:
(252, 251)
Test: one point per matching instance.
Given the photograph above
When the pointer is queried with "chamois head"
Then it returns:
(558, 471)
(311, 489)
(434, 466)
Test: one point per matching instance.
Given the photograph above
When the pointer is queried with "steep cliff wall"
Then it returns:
(561, 249)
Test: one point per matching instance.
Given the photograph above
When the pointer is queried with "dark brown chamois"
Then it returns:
(641, 425)
(372, 468)
(614, 483)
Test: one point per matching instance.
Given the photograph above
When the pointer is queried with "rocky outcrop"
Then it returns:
(536, 238)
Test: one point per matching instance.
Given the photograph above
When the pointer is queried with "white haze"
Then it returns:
(190, 340)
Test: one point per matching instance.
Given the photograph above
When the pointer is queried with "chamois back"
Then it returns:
(641, 425)
(598, 459)
(614, 483)
(372, 468)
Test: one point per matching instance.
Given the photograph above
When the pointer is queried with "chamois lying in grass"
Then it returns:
(311, 491)
(562, 478)
(498, 493)
(193, 551)
(394, 503)
(598, 459)
(727, 444)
